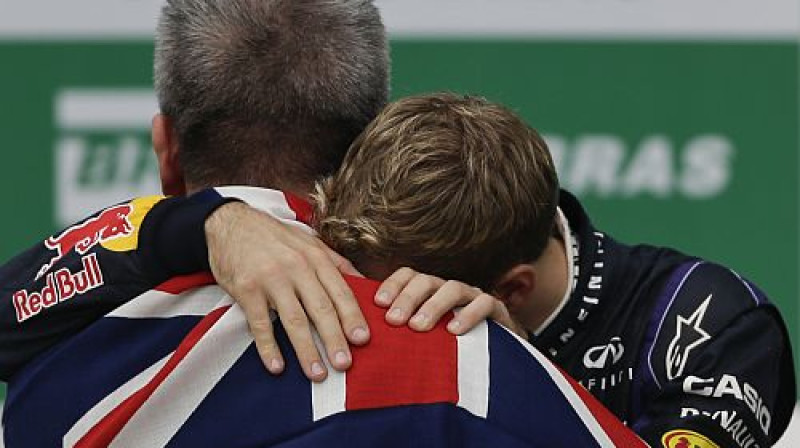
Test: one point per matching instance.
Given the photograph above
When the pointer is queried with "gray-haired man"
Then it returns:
(252, 92)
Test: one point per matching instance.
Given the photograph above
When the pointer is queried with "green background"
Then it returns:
(747, 92)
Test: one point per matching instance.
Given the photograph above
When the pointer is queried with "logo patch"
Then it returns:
(688, 335)
(729, 421)
(109, 224)
(130, 241)
(683, 438)
(728, 386)
(60, 286)
(604, 356)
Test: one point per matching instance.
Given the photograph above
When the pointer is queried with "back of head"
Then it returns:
(452, 186)
(268, 92)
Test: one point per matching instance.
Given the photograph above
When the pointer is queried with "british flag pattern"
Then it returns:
(176, 366)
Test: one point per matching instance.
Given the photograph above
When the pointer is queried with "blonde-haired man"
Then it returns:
(450, 186)
(682, 350)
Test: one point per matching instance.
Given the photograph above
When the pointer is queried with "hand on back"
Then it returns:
(266, 265)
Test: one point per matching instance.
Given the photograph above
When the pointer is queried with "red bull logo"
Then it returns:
(683, 438)
(60, 286)
(110, 224)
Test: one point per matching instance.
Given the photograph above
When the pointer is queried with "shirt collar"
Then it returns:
(571, 250)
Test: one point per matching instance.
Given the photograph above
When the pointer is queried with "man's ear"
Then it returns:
(166, 147)
(516, 286)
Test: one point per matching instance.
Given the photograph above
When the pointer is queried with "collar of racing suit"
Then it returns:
(572, 250)
(588, 269)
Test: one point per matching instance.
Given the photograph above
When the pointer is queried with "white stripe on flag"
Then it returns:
(569, 393)
(159, 304)
(473, 370)
(110, 402)
(163, 414)
(328, 397)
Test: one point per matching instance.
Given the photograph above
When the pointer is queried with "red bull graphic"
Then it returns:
(110, 224)
(60, 286)
(683, 438)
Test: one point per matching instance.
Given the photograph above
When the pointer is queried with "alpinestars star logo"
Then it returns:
(688, 335)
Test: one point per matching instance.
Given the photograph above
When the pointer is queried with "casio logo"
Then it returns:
(730, 386)
(604, 356)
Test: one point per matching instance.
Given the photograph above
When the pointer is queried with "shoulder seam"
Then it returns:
(748, 286)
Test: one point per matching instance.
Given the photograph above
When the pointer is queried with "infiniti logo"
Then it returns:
(604, 356)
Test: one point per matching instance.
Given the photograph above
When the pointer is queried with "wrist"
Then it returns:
(174, 237)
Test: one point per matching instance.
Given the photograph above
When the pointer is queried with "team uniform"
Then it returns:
(156, 361)
(677, 347)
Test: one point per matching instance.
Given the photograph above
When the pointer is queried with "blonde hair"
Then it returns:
(453, 186)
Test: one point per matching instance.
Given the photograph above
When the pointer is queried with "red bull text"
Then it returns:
(60, 286)
(110, 224)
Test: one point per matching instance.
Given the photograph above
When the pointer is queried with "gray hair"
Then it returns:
(269, 91)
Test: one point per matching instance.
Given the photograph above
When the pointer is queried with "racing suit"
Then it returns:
(174, 364)
(675, 346)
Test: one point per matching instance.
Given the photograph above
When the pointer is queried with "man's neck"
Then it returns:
(552, 284)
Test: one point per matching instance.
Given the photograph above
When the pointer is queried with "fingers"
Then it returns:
(478, 310)
(415, 292)
(322, 313)
(298, 329)
(346, 306)
(450, 295)
(277, 292)
(391, 287)
(270, 265)
(256, 311)
(421, 300)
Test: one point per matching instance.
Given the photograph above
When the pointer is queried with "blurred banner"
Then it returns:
(101, 19)
(676, 121)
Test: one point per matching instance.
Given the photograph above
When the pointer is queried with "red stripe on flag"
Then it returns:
(620, 434)
(177, 285)
(301, 208)
(110, 426)
(400, 366)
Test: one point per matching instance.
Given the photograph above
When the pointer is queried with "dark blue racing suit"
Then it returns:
(672, 343)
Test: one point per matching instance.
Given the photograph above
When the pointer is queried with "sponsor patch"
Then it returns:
(608, 381)
(140, 207)
(109, 224)
(604, 356)
(60, 286)
(115, 229)
(729, 421)
(683, 438)
(729, 386)
(688, 335)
